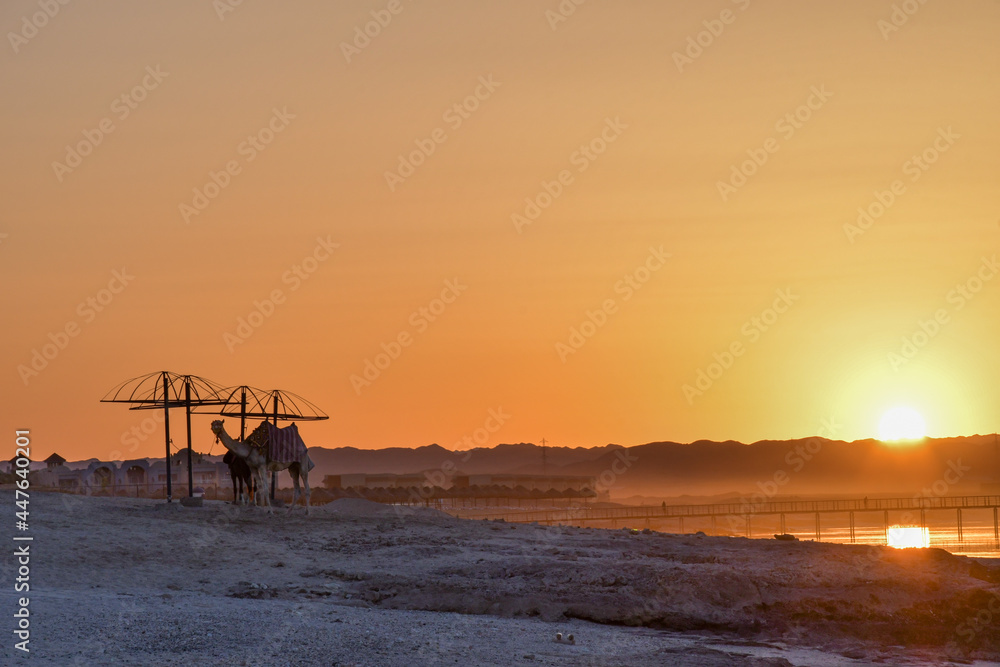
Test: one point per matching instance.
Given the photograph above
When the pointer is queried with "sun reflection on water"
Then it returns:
(908, 537)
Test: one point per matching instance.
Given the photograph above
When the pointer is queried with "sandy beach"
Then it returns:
(130, 581)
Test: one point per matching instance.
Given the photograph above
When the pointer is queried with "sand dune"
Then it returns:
(127, 581)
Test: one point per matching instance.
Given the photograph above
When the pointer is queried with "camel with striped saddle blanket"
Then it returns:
(271, 449)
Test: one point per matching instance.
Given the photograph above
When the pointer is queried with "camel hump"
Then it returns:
(280, 445)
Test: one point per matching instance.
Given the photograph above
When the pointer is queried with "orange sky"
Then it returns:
(666, 122)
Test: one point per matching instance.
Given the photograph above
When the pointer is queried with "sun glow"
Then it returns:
(901, 423)
(908, 537)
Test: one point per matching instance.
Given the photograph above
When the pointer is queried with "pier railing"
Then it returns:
(743, 508)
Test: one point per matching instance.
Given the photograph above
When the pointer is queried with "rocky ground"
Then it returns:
(127, 581)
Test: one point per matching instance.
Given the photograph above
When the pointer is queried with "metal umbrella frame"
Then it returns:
(166, 390)
(272, 405)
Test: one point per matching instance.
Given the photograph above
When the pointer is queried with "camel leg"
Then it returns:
(293, 471)
(265, 476)
(305, 483)
(262, 488)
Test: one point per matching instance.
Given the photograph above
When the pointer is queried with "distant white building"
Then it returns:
(559, 483)
(133, 477)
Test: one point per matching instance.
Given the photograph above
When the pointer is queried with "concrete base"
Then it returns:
(192, 501)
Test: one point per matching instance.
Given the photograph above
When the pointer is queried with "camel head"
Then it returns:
(217, 428)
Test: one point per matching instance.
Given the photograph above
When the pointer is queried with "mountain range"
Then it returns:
(809, 466)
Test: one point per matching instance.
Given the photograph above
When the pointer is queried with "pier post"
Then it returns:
(852, 527)
(959, 524)
(817, 527)
(714, 530)
(996, 528)
(885, 518)
(748, 525)
(783, 531)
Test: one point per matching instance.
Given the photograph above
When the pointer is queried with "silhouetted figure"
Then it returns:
(240, 472)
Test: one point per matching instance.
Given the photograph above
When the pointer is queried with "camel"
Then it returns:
(240, 472)
(260, 464)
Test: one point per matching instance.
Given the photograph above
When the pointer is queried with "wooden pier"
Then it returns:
(742, 513)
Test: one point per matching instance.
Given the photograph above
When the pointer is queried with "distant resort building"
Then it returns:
(137, 477)
(435, 485)
(148, 478)
(11, 465)
(529, 482)
(54, 461)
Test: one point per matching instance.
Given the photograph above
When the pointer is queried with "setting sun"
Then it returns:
(902, 423)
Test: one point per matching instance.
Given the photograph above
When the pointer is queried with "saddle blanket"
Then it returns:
(283, 444)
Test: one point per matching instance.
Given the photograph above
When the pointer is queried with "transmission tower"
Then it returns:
(545, 460)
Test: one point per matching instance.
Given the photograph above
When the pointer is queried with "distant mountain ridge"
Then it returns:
(810, 466)
(806, 466)
(520, 458)
(801, 466)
